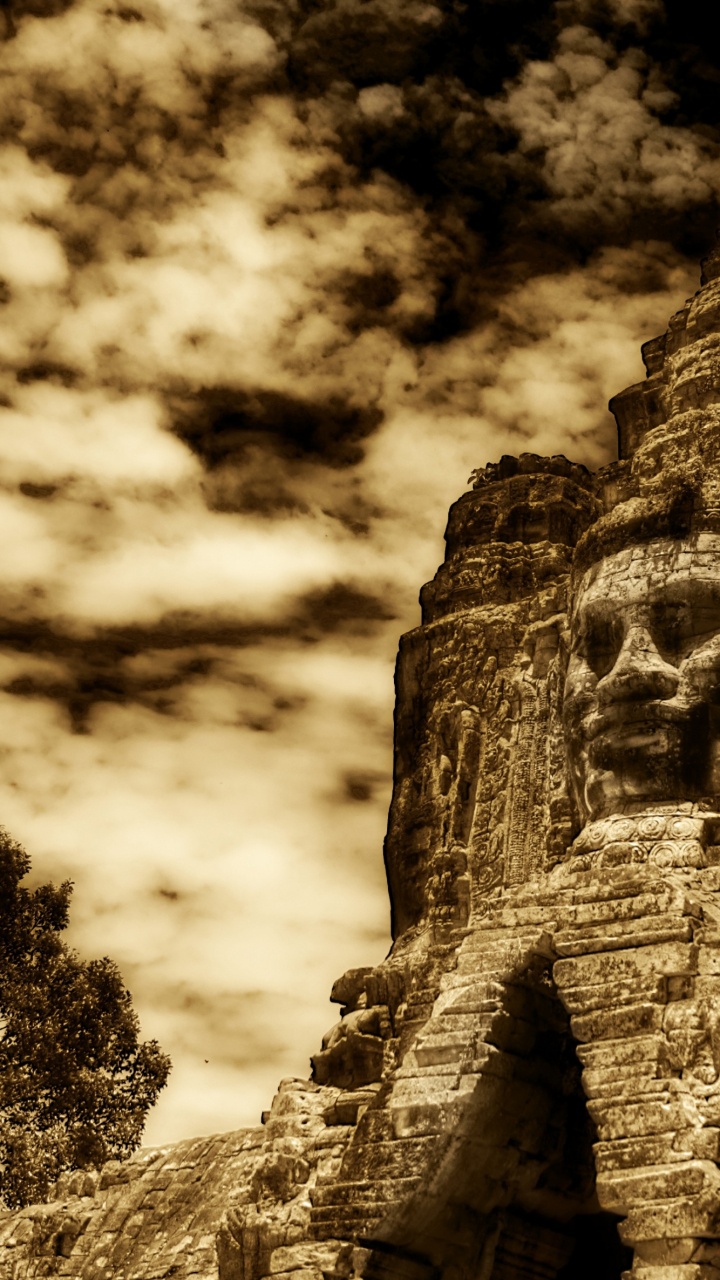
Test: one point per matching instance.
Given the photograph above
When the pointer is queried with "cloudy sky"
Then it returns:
(275, 275)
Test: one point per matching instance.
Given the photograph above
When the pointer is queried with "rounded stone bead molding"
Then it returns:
(665, 840)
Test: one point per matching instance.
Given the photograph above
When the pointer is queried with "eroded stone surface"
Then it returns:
(154, 1215)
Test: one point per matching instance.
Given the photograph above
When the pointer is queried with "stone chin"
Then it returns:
(643, 680)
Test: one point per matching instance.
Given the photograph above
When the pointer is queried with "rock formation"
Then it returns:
(529, 1085)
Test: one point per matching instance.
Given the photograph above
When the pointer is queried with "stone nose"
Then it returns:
(639, 672)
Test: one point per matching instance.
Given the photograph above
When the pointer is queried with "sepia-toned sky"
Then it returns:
(275, 275)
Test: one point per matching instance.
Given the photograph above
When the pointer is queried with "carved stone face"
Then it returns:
(642, 694)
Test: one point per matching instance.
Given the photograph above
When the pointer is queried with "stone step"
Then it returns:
(412, 1070)
(637, 1119)
(389, 1159)
(637, 1049)
(609, 995)
(682, 1271)
(628, 1089)
(633, 1153)
(453, 1022)
(633, 962)
(589, 888)
(342, 1221)
(612, 1024)
(685, 1216)
(360, 1193)
(640, 932)
(620, 1189)
(642, 905)
(442, 1050)
(497, 943)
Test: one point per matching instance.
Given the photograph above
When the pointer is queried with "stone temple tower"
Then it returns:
(528, 1087)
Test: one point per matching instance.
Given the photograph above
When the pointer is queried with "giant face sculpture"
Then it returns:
(642, 694)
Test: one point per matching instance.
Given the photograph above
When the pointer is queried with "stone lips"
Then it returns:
(528, 1086)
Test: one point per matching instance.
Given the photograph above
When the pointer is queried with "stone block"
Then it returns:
(390, 1159)
(620, 1189)
(637, 1119)
(634, 1051)
(641, 905)
(709, 963)
(320, 1256)
(633, 1153)
(689, 1271)
(637, 931)
(612, 1024)
(344, 1110)
(299, 1273)
(670, 1251)
(626, 1090)
(423, 1089)
(690, 1216)
(634, 962)
(346, 1220)
(707, 986)
(610, 995)
(446, 1047)
(534, 914)
(705, 1143)
(452, 1016)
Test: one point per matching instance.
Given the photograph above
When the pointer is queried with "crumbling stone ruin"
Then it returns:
(528, 1087)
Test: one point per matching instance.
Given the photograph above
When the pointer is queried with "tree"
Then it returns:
(75, 1083)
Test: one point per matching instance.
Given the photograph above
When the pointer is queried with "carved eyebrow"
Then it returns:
(596, 611)
(699, 593)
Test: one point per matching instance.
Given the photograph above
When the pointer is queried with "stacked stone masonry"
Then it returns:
(528, 1086)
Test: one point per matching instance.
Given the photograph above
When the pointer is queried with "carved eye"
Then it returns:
(678, 629)
(600, 644)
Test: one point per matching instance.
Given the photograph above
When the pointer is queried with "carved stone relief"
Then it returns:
(643, 680)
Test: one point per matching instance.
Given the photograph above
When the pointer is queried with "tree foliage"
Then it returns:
(75, 1082)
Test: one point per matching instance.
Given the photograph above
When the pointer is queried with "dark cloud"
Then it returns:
(361, 785)
(219, 423)
(47, 371)
(367, 43)
(39, 491)
(342, 607)
(155, 667)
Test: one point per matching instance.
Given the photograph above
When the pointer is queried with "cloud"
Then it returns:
(593, 117)
(209, 894)
(275, 279)
(370, 41)
(59, 435)
(639, 14)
